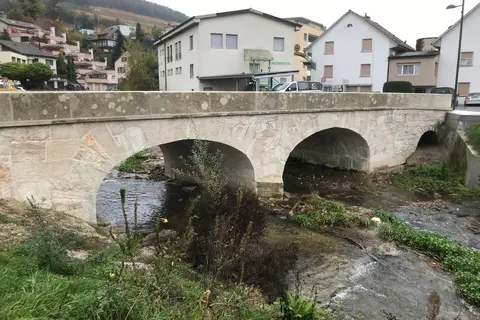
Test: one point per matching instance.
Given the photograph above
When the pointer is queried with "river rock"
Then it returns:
(387, 249)
(376, 220)
(163, 237)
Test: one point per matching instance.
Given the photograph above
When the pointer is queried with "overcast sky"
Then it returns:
(407, 19)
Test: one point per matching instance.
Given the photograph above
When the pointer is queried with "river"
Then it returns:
(338, 273)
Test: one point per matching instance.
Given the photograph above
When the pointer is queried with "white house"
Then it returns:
(236, 50)
(469, 73)
(352, 55)
(121, 65)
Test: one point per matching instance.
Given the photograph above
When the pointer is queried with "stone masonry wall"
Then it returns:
(59, 146)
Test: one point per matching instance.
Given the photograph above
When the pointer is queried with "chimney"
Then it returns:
(52, 31)
(367, 16)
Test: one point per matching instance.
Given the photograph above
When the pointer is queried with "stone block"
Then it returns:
(6, 112)
(114, 104)
(271, 101)
(57, 150)
(4, 146)
(180, 103)
(28, 162)
(26, 134)
(40, 106)
(68, 131)
(230, 102)
(41, 191)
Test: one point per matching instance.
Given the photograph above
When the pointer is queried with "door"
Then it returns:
(366, 89)
(351, 88)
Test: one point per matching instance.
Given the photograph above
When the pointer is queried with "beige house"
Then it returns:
(309, 32)
(420, 68)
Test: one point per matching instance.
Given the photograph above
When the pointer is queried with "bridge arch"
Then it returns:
(334, 147)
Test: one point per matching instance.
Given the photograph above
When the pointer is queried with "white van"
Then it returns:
(298, 86)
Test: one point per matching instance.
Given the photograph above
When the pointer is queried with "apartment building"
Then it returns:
(227, 51)
(19, 31)
(418, 67)
(121, 65)
(469, 73)
(352, 55)
(304, 37)
(25, 53)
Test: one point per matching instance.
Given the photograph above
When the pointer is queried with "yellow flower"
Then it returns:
(164, 220)
(111, 276)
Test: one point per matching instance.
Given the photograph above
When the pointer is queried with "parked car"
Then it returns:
(446, 90)
(472, 99)
(74, 87)
(298, 86)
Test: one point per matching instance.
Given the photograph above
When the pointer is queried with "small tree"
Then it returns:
(398, 86)
(139, 35)
(61, 65)
(14, 71)
(71, 71)
(141, 68)
(5, 35)
(156, 32)
(32, 8)
(36, 74)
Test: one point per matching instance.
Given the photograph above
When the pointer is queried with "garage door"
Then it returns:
(366, 89)
(351, 88)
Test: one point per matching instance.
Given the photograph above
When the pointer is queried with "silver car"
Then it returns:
(472, 99)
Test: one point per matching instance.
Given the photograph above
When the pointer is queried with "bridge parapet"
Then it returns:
(34, 108)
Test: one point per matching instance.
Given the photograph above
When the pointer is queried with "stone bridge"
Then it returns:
(59, 146)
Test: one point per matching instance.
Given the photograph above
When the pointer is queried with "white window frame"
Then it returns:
(229, 43)
(219, 36)
(466, 62)
(401, 70)
(279, 44)
(192, 71)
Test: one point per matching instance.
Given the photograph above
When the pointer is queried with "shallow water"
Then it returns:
(338, 273)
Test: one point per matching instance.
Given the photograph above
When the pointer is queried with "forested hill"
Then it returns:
(142, 7)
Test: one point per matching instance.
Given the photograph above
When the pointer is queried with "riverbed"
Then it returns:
(337, 273)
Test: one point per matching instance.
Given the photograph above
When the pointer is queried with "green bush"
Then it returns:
(134, 163)
(433, 178)
(398, 86)
(464, 262)
(325, 213)
(473, 136)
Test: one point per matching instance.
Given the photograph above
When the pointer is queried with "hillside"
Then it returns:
(138, 7)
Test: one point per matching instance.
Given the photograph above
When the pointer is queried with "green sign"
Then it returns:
(281, 63)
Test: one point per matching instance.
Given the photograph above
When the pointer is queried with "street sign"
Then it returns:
(323, 79)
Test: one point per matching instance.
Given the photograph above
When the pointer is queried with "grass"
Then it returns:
(325, 213)
(6, 219)
(473, 137)
(462, 261)
(133, 163)
(434, 178)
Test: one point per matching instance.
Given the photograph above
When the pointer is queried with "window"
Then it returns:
(436, 69)
(254, 67)
(367, 45)
(328, 71)
(176, 70)
(124, 59)
(162, 74)
(466, 59)
(207, 89)
(170, 72)
(179, 70)
(216, 41)
(278, 44)
(408, 69)
(120, 70)
(329, 47)
(49, 62)
(365, 70)
(179, 50)
(366, 89)
(191, 71)
(305, 37)
(169, 54)
(232, 41)
(13, 59)
(191, 42)
(292, 87)
(176, 50)
(463, 89)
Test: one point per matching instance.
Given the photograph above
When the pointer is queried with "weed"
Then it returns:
(133, 163)
(473, 136)
(6, 219)
(324, 213)
(433, 178)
